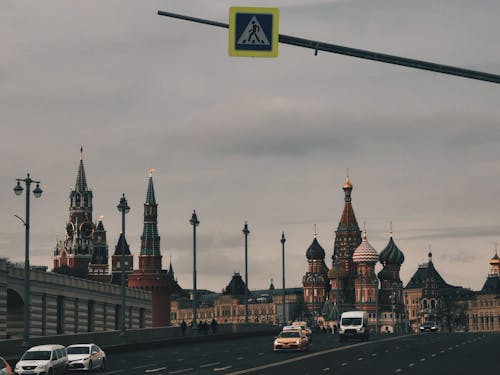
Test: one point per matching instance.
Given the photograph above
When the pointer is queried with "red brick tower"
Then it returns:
(150, 276)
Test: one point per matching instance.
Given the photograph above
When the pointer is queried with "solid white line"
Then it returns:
(311, 355)
(222, 368)
(183, 370)
(211, 364)
(156, 369)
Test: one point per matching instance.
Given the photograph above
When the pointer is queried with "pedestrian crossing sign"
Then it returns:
(253, 32)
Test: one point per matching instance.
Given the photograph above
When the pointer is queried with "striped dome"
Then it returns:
(365, 252)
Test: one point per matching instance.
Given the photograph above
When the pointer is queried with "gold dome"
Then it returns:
(347, 184)
(495, 260)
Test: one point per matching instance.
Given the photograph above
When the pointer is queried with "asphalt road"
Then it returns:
(432, 353)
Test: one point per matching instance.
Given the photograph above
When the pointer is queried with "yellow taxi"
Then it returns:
(291, 339)
(304, 328)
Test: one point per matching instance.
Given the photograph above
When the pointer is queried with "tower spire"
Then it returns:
(81, 180)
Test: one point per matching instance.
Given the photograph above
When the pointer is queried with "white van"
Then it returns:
(354, 324)
(43, 359)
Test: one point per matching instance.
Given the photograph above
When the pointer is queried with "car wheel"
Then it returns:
(50, 372)
(103, 364)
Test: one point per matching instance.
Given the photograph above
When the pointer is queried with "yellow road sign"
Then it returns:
(253, 32)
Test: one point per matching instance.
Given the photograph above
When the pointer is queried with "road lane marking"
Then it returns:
(240, 358)
(399, 370)
(210, 364)
(411, 365)
(422, 359)
(374, 354)
(326, 369)
(181, 371)
(311, 355)
(150, 365)
(180, 360)
(113, 372)
(442, 351)
(156, 369)
(360, 358)
(344, 364)
(433, 355)
(260, 353)
(222, 368)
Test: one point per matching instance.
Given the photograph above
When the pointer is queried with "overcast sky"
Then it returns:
(256, 139)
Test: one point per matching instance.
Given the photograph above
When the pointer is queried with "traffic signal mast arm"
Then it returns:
(363, 54)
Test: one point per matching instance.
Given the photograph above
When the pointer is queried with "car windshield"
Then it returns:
(289, 334)
(78, 350)
(351, 321)
(428, 324)
(38, 355)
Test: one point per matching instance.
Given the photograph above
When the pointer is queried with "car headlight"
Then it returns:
(297, 342)
(42, 367)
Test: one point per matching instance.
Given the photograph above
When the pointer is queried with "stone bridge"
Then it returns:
(62, 304)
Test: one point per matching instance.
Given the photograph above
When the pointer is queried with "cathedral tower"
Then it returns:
(150, 275)
(315, 281)
(347, 239)
(366, 285)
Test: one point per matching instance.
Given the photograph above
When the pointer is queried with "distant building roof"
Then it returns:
(424, 272)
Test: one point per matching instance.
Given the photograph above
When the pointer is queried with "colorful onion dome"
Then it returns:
(391, 254)
(315, 251)
(365, 252)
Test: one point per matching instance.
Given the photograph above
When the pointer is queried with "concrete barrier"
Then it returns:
(139, 339)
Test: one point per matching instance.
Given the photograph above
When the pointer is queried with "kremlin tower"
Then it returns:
(116, 261)
(84, 252)
(150, 275)
(347, 239)
(315, 281)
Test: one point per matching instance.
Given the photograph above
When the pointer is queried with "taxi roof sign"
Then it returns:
(253, 32)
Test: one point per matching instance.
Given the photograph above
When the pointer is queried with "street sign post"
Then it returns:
(253, 32)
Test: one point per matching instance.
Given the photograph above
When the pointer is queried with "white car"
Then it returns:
(85, 357)
(43, 359)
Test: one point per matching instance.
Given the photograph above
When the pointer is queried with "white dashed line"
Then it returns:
(433, 355)
(222, 368)
(210, 364)
(113, 372)
(422, 359)
(181, 371)
(156, 369)
(260, 353)
(398, 370)
(442, 351)
(360, 358)
(150, 365)
(374, 354)
(326, 369)
(180, 360)
(344, 364)
(411, 365)
(240, 358)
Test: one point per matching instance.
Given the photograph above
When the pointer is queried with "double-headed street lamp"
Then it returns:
(246, 232)
(124, 209)
(194, 222)
(37, 192)
(283, 240)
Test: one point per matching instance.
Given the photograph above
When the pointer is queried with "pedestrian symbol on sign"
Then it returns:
(253, 34)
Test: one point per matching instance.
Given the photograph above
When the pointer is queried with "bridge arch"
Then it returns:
(15, 314)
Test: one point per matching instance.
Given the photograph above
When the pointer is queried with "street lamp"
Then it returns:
(376, 305)
(406, 313)
(37, 192)
(246, 232)
(337, 301)
(124, 209)
(283, 240)
(194, 222)
(393, 301)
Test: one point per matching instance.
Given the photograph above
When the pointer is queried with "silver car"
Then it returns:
(85, 357)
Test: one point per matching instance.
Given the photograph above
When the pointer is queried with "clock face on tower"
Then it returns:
(87, 229)
(70, 229)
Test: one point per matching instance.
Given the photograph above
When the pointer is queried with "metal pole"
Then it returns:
(283, 240)
(246, 232)
(122, 325)
(363, 54)
(337, 301)
(26, 336)
(376, 306)
(194, 222)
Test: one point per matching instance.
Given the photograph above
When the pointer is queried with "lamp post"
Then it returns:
(283, 240)
(337, 300)
(124, 209)
(37, 192)
(393, 302)
(246, 232)
(406, 313)
(194, 222)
